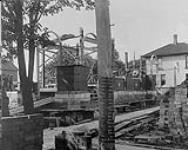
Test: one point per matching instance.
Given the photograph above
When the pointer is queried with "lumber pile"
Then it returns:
(130, 128)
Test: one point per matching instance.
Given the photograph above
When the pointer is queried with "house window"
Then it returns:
(163, 79)
(186, 61)
(154, 79)
(186, 76)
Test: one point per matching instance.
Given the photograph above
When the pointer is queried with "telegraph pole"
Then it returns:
(43, 68)
(38, 71)
(134, 62)
(81, 45)
(106, 102)
(126, 62)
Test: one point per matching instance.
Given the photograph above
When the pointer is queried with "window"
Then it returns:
(163, 79)
(154, 79)
(186, 76)
(186, 61)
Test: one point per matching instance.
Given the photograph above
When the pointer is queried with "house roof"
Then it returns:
(169, 50)
(8, 66)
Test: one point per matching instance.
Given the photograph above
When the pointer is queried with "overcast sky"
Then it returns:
(140, 25)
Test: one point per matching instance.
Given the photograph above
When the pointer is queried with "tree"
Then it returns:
(20, 32)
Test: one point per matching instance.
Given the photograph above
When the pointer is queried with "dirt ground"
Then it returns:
(50, 134)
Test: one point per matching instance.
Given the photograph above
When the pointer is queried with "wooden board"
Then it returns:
(49, 135)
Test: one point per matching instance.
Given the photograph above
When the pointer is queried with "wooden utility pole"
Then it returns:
(141, 68)
(43, 68)
(38, 71)
(81, 45)
(175, 76)
(126, 62)
(106, 102)
(134, 62)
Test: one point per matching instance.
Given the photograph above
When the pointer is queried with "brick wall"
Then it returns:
(22, 133)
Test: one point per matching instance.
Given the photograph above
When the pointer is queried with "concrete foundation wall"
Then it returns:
(126, 97)
(73, 99)
(22, 133)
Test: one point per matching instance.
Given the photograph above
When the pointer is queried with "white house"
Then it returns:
(168, 64)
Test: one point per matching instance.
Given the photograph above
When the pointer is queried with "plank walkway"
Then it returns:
(50, 134)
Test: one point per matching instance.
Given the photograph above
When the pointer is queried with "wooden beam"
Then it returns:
(38, 71)
(103, 38)
(81, 45)
(106, 104)
(91, 49)
(43, 68)
(90, 40)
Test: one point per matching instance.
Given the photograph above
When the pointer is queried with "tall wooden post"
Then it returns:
(134, 62)
(113, 52)
(140, 69)
(43, 68)
(106, 102)
(174, 76)
(81, 45)
(60, 59)
(126, 61)
(37, 71)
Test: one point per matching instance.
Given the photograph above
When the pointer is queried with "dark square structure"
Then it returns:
(72, 78)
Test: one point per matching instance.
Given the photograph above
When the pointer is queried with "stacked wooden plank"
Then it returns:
(125, 127)
(50, 134)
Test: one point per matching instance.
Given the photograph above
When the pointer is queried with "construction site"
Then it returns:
(62, 95)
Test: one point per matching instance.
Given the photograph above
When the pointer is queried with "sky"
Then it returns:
(140, 26)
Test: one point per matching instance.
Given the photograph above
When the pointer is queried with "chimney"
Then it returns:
(175, 39)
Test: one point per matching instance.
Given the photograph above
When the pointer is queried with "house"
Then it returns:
(168, 65)
(9, 69)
